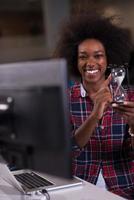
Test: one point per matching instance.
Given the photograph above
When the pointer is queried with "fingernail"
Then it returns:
(114, 105)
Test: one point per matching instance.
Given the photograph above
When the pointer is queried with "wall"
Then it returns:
(28, 28)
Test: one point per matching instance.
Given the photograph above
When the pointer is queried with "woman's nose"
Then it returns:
(90, 62)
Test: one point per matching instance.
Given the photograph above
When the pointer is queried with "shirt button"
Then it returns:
(102, 127)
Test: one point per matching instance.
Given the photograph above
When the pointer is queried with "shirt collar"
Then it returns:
(83, 92)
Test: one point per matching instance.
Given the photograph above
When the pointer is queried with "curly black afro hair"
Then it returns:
(116, 40)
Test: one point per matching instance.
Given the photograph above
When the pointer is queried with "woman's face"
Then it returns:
(92, 61)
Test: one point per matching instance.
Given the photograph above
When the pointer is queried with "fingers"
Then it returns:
(102, 93)
(129, 110)
(129, 104)
(122, 109)
(125, 105)
(126, 109)
(108, 80)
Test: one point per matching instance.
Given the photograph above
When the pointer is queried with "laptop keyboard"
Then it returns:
(30, 180)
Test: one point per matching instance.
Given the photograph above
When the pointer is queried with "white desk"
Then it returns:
(85, 192)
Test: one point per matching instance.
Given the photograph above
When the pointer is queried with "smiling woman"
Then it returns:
(92, 62)
(100, 137)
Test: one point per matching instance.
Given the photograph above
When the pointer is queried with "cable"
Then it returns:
(46, 194)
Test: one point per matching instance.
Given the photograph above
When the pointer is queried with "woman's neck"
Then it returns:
(92, 88)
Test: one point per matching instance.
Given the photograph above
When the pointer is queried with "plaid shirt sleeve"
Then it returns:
(76, 150)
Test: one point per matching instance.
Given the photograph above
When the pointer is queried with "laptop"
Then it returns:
(28, 181)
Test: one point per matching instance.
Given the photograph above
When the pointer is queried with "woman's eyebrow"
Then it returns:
(82, 52)
(96, 51)
(99, 51)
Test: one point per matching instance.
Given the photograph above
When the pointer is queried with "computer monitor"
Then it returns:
(34, 117)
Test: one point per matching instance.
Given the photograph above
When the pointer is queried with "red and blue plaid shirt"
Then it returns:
(107, 149)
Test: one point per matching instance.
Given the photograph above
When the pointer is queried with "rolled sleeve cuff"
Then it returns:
(76, 150)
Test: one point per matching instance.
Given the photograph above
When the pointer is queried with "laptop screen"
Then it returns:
(34, 122)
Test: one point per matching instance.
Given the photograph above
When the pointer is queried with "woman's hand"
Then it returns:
(127, 111)
(102, 99)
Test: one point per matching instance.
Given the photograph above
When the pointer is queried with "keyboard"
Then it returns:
(30, 180)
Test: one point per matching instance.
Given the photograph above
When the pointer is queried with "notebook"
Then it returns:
(28, 181)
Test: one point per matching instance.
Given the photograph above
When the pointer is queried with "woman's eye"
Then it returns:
(82, 57)
(98, 56)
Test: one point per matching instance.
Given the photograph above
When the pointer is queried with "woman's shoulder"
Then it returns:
(74, 85)
(74, 89)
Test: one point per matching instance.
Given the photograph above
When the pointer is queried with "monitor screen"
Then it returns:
(34, 117)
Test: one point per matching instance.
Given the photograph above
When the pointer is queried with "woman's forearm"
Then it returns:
(85, 131)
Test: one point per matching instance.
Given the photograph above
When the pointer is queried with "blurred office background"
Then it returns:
(29, 29)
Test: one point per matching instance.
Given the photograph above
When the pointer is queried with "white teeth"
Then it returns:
(92, 71)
